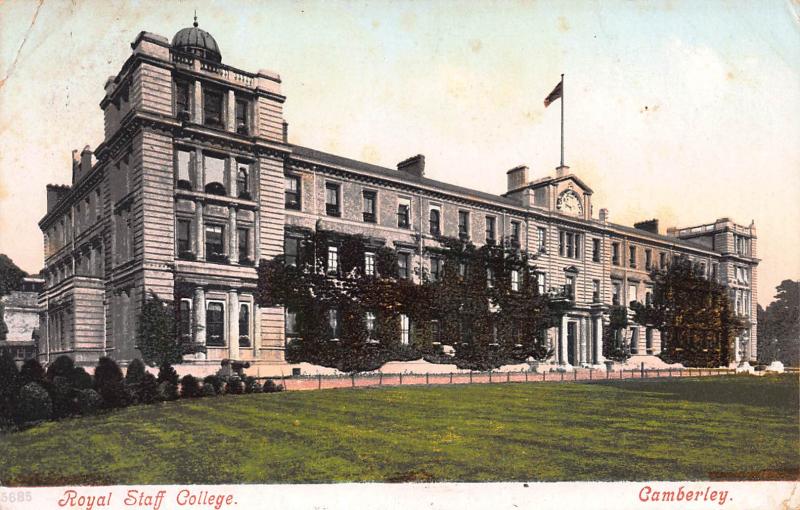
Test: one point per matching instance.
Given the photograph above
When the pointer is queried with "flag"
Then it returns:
(555, 94)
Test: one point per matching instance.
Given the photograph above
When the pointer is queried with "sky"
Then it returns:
(685, 111)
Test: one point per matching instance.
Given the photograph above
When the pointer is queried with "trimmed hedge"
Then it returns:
(34, 405)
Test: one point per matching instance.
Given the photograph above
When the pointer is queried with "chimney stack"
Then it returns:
(517, 177)
(76, 165)
(86, 161)
(285, 132)
(648, 226)
(414, 165)
(55, 193)
(604, 215)
(561, 171)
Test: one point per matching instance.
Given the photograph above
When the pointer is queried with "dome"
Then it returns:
(197, 42)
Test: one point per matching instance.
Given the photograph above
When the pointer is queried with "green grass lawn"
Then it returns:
(679, 429)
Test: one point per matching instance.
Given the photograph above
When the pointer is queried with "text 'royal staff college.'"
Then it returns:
(196, 181)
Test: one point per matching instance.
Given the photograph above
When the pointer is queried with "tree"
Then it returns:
(779, 327)
(157, 335)
(9, 384)
(694, 315)
(614, 347)
(10, 275)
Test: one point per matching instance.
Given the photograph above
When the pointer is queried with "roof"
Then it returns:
(197, 41)
(379, 171)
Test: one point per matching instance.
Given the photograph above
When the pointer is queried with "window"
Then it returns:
(185, 319)
(333, 323)
(98, 206)
(616, 293)
(595, 291)
(569, 244)
(662, 260)
(242, 124)
(369, 323)
(291, 250)
(215, 324)
(244, 325)
(615, 253)
(212, 107)
(648, 260)
(714, 271)
(648, 296)
(569, 288)
(648, 340)
(463, 224)
(403, 209)
(243, 239)
(215, 241)
(184, 237)
(332, 199)
(515, 280)
(541, 239)
(632, 257)
(290, 323)
(402, 265)
(436, 268)
(490, 228)
(595, 250)
(333, 260)
(434, 219)
(214, 175)
(634, 340)
(291, 192)
(370, 202)
(541, 283)
(515, 232)
(183, 106)
(436, 332)
(405, 329)
(632, 292)
(369, 264)
(489, 277)
(243, 182)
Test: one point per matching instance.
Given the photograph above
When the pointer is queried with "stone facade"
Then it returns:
(21, 317)
(196, 180)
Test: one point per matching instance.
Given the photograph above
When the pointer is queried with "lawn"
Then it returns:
(678, 429)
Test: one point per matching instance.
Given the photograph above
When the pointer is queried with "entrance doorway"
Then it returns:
(572, 335)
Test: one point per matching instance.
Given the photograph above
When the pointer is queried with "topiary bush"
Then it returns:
(271, 387)
(108, 382)
(33, 405)
(89, 402)
(62, 396)
(217, 382)
(166, 373)
(249, 384)
(235, 386)
(9, 385)
(106, 372)
(208, 390)
(147, 390)
(190, 387)
(257, 387)
(31, 371)
(167, 391)
(135, 372)
(80, 379)
(62, 366)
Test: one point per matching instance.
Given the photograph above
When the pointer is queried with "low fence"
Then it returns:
(320, 382)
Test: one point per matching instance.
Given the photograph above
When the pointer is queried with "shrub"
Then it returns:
(217, 382)
(257, 387)
(107, 372)
(33, 405)
(135, 372)
(208, 390)
(235, 385)
(147, 391)
(166, 373)
(89, 402)
(167, 391)
(9, 385)
(62, 396)
(249, 384)
(80, 379)
(31, 371)
(62, 366)
(190, 387)
(271, 387)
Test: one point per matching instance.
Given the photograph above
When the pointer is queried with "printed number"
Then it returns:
(15, 497)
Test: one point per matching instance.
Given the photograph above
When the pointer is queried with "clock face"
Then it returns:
(570, 203)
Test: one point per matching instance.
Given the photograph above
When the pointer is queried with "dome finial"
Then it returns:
(195, 19)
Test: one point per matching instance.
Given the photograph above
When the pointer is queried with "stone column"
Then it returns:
(233, 244)
(582, 342)
(200, 232)
(199, 306)
(233, 324)
(256, 341)
(232, 175)
(737, 349)
(230, 112)
(197, 118)
(598, 343)
(562, 342)
(199, 171)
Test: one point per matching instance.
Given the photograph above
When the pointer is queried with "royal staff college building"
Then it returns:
(196, 180)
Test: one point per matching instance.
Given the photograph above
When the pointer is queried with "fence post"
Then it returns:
(353, 380)
(490, 376)
(642, 369)
(544, 375)
(380, 379)
(401, 378)
(608, 374)
(508, 376)
(526, 376)
(426, 378)
(590, 374)
(669, 372)
(470, 376)
(575, 375)
(451, 377)
(621, 373)
(562, 376)
(319, 381)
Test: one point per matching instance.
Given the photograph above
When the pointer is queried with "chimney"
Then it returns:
(76, 164)
(517, 177)
(86, 161)
(561, 171)
(604, 215)
(285, 132)
(54, 195)
(648, 226)
(414, 165)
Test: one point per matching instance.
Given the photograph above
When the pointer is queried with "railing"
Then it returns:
(229, 73)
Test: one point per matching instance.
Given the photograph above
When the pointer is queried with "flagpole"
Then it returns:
(562, 119)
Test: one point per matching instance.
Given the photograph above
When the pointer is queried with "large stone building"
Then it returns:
(196, 179)
(20, 314)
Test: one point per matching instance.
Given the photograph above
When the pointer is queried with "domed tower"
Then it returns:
(198, 42)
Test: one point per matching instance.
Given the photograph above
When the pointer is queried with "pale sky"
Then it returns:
(686, 111)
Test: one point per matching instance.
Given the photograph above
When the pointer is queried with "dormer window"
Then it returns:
(212, 108)
(242, 124)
